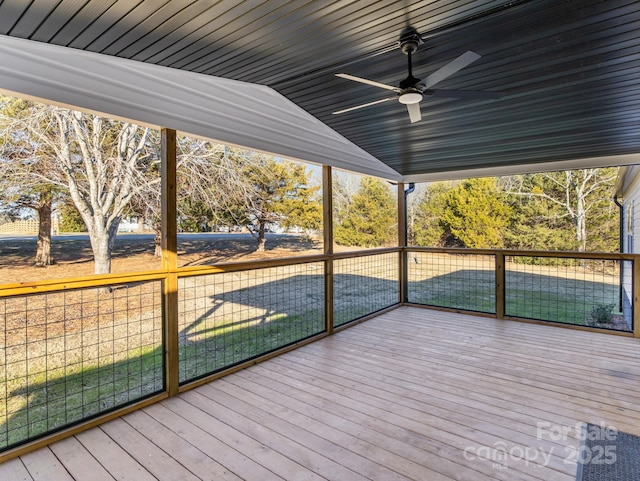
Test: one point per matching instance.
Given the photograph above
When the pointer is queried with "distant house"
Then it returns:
(132, 224)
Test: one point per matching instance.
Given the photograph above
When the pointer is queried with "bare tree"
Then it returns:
(574, 193)
(212, 188)
(101, 163)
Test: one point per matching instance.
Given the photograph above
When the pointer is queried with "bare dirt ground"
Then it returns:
(73, 256)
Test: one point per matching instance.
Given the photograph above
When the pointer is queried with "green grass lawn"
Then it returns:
(549, 293)
(55, 398)
(217, 347)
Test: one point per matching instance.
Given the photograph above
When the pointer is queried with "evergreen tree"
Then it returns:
(428, 228)
(277, 192)
(26, 167)
(476, 213)
(370, 219)
(70, 219)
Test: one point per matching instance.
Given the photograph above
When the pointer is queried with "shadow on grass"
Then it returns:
(466, 289)
(527, 295)
(203, 250)
(198, 249)
(230, 328)
(68, 249)
(244, 323)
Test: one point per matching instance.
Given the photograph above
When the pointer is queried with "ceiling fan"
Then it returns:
(413, 90)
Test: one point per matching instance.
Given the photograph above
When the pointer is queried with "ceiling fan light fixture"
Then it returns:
(410, 98)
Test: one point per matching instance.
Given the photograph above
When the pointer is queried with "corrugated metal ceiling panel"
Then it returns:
(570, 69)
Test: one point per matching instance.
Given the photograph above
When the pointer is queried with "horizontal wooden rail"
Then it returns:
(364, 253)
(103, 280)
(614, 256)
(249, 265)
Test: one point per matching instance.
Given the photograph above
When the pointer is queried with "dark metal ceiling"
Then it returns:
(570, 69)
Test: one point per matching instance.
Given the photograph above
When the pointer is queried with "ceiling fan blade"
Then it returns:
(467, 94)
(452, 67)
(368, 82)
(414, 112)
(364, 105)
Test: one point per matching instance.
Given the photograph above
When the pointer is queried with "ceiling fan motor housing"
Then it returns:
(410, 39)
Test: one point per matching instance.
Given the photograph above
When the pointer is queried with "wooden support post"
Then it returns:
(170, 259)
(327, 228)
(500, 284)
(636, 296)
(403, 275)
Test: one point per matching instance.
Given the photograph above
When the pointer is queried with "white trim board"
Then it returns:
(232, 112)
(587, 163)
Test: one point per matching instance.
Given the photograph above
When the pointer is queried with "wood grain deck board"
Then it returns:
(412, 394)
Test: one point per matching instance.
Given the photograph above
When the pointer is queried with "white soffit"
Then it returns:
(627, 181)
(574, 164)
(229, 111)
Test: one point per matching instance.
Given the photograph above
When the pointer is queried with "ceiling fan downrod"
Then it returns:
(409, 42)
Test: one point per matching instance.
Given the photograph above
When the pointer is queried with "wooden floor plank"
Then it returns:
(461, 375)
(402, 467)
(14, 470)
(79, 462)
(44, 466)
(511, 409)
(598, 376)
(260, 407)
(173, 413)
(289, 388)
(226, 409)
(353, 405)
(412, 394)
(522, 351)
(158, 463)
(115, 458)
(206, 415)
(197, 461)
(298, 428)
(495, 375)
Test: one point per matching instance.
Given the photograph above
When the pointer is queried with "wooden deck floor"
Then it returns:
(412, 394)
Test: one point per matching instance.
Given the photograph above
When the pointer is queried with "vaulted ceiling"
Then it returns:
(570, 69)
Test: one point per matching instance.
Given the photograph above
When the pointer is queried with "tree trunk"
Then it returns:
(581, 222)
(157, 241)
(101, 253)
(43, 244)
(103, 239)
(581, 233)
(261, 237)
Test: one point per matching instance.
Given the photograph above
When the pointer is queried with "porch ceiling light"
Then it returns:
(410, 98)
